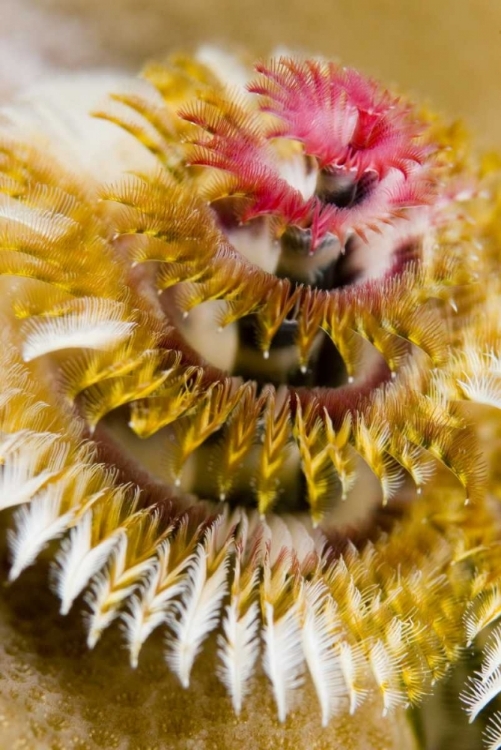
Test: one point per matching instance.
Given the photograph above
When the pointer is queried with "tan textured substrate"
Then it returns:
(55, 695)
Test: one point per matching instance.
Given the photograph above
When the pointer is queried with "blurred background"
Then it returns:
(447, 52)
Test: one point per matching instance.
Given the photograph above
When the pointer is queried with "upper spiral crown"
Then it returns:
(311, 274)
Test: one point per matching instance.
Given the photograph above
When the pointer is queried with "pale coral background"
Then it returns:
(448, 51)
(53, 694)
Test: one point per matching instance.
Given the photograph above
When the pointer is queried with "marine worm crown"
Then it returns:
(219, 371)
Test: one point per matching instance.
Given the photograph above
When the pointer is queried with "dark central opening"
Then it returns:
(325, 367)
(329, 267)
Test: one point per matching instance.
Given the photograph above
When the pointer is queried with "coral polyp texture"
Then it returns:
(251, 382)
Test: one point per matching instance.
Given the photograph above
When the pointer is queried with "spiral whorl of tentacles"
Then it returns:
(304, 286)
